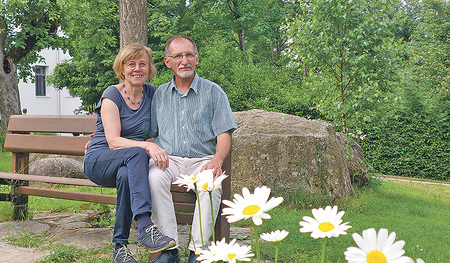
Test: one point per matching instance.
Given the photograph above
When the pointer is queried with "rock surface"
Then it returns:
(287, 152)
(355, 161)
(58, 167)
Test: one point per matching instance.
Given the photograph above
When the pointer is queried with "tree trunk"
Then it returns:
(133, 22)
(241, 38)
(9, 86)
(237, 15)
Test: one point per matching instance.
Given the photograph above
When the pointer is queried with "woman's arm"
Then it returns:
(111, 123)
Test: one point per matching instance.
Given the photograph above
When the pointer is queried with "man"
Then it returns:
(193, 122)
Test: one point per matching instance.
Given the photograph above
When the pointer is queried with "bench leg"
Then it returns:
(19, 207)
(222, 227)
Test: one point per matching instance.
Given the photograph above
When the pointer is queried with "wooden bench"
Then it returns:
(26, 134)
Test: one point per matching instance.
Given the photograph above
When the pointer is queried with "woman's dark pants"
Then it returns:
(127, 169)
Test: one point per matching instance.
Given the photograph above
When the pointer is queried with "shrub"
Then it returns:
(410, 143)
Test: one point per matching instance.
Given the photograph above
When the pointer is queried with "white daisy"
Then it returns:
(221, 251)
(188, 181)
(420, 261)
(326, 223)
(373, 248)
(206, 180)
(275, 236)
(252, 206)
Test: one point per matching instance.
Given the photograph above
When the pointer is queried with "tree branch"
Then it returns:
(18, 53)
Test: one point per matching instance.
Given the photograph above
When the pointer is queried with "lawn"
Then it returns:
(418, 213)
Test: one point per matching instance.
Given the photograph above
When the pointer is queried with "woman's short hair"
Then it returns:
(129, 52)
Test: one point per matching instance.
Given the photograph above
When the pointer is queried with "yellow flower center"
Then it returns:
(231, 256)
(251, 210)
(205, 187)
(376, 256)
(194, 178)
(326, 226)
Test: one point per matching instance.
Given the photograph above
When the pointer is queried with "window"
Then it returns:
(40, 80)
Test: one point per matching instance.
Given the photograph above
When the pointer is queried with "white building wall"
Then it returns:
(55, 102)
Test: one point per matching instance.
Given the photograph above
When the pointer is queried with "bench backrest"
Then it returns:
(27, 133)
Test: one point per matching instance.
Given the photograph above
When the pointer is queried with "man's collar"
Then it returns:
(194, 84)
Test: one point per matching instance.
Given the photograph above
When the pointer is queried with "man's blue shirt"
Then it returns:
(187, 125)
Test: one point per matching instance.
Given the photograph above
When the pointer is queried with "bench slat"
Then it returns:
(52, 123)
(184, 219)
(184, 207)
(47, 179)
(184, 197)
(46, 144)
(79, 196)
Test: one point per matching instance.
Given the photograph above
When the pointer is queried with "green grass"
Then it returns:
(5, 161)
(417, 213)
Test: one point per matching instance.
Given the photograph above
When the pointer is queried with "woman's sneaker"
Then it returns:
(123, 255)
(154, 240)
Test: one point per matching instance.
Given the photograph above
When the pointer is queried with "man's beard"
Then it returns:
(185, 75)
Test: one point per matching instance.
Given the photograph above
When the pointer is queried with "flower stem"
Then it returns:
(199, 216)
(212, 217)
(276, 253)
(252, 244)
(324, 246)
(255, 234)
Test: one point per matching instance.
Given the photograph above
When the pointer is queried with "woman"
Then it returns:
(118, 153)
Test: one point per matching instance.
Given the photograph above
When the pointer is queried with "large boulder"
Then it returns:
(58, 167)
(286, 153)
(355, 160)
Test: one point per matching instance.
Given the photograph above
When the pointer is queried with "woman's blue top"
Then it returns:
(135, 124)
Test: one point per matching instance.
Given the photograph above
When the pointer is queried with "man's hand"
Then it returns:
(215, 165)
(222, 150)
(158, 155)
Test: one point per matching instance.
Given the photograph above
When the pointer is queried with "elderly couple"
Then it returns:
(191, 119)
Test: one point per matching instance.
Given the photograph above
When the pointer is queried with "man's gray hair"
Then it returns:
(166, 51)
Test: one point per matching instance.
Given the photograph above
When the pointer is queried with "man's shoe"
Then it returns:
(123, 255)
(192, 258)
(154, 240)
(166, 256)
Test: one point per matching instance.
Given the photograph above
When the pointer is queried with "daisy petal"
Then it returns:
(381, 242)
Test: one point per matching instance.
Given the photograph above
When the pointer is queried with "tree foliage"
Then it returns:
(431, 48)
(26, 27)
(254, 85)
(348, 53)
(210, 23)
(413, 138)
(92, 42)
(31, 26)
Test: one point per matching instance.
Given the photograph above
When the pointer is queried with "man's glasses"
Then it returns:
(180, 56)
(132, 65)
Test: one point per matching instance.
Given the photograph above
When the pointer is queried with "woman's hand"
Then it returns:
(158, 154)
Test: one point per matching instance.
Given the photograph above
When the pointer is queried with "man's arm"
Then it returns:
(222, 150)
